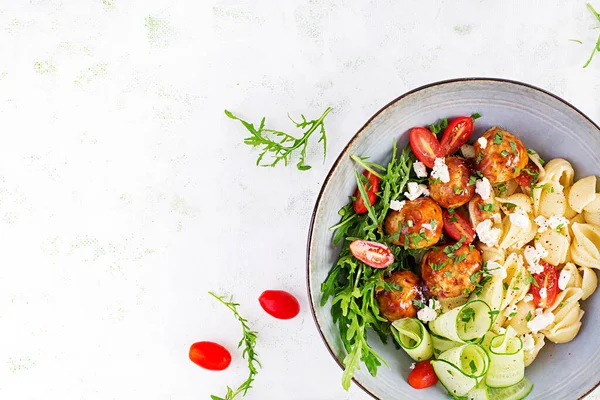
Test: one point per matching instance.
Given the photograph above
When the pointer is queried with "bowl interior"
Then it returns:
(543, 122)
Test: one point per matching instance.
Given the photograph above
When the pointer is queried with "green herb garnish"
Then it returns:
(528, 316)
(249, 342)
(458, 190)
(501, 189)
(281, 145)
(504, 153)
(597, 45)
(513, 147)
(498, 138)
(475, 116)
(472, 180)
(486, 207)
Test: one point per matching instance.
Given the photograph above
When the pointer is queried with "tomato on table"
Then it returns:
(425, 146)
(456, 134)
(422, 376)
(528, 175)
(548, 280)
(279, 304)
(458, 226)
(373, 254)
(371, 189)
(210, 355)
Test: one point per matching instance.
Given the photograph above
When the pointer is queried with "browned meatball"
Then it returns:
(480, 210)
(397, 304)
(457, 191)
(449, 275)
(503, 158)
(419, 221)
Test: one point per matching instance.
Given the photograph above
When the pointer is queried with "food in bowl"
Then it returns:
(469, 255)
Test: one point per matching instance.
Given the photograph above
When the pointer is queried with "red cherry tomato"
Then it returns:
(425, 146)
(371, 189)
(457, 225)
(210, 355)
(547, 279)
(528, 175)
(456, 134)
(279, 304)
(422, 376)
(373, 254)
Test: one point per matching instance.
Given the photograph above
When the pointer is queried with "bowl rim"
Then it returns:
(342, 154)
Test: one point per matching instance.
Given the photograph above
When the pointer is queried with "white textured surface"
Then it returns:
(126, 194)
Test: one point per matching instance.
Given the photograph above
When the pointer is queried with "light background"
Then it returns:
(126, 194)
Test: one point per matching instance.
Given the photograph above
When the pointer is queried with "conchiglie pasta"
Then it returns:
(567, 316)
(519, 321)
(508, 188)
(569, 212)
(582, 193)
(537, 160)
(556, 244)
(538, 343)
(517, 201)
(516, 276)
(549, 200)
(585, 248)
(489, 253)
(574, 275)
(559, 171)
(514, 236)
(589, 282)
(592, 217)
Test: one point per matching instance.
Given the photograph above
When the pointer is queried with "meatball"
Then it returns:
(397, 304)
(419, 221)
(447, 271)
(502, 158)
(459, 189)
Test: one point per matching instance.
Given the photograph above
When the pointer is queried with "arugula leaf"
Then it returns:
(281, 145)
(249, 343)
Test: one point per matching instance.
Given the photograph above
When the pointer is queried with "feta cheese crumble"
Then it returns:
(541, 321)
(533, 257)
(428, 227)
(482, 142)
(564, 278)
(440, 170)
(397, 205)
(429, 313)
(483, 188)
(413, 365)
(420, 169)
(551, 223)
(543, 293)
(487, 234)
(528, 343)
(520, 220)
(416, 190)
(528, 297)
(467, 151)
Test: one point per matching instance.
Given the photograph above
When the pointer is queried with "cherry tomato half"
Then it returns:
(279, 304)
(371, 189)
(373, 254)
(456, 134)
(457, 225)
(528, 175)
(425, 146)
(210, 355)
(547, 279)
(422, 376)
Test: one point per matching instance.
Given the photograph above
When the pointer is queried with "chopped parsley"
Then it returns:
(501, 189)
(498, 138)
(433, 223)
(509, 206)
(504, 153)
(505, 285)
(467, 315)
(458, 190)
(472, 180)
(559, 228)
(418, 303)
(451, 210)
(475, 116)
(528, 316)
(512, 314)
(513, 147)
(448, 273)
(486, 207)
(473, 367)
(437, 267)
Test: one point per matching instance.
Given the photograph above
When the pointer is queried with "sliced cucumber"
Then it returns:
(452, 378)
(471, 359)
(479, 392)
(515, 392)
(410, 333)
(441, 344)
(467, 323)
(492, 293)
(507, 362)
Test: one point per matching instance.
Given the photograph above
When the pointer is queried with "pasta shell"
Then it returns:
(585, 248)
(560, 171)
(556, 244)
(589, 282)
(582, 193)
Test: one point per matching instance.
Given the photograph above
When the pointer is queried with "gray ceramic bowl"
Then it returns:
(544, 122)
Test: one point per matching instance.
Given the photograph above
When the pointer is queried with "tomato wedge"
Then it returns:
(548, 280)
(371, 189)
(210, 355)
(422, 376)
(456, 134)
(425, 146)
(373, 254)
(457, 225)
(529, 174)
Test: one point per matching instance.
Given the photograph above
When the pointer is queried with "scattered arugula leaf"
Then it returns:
(249, 343)
(281, 145)
(438, 126)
